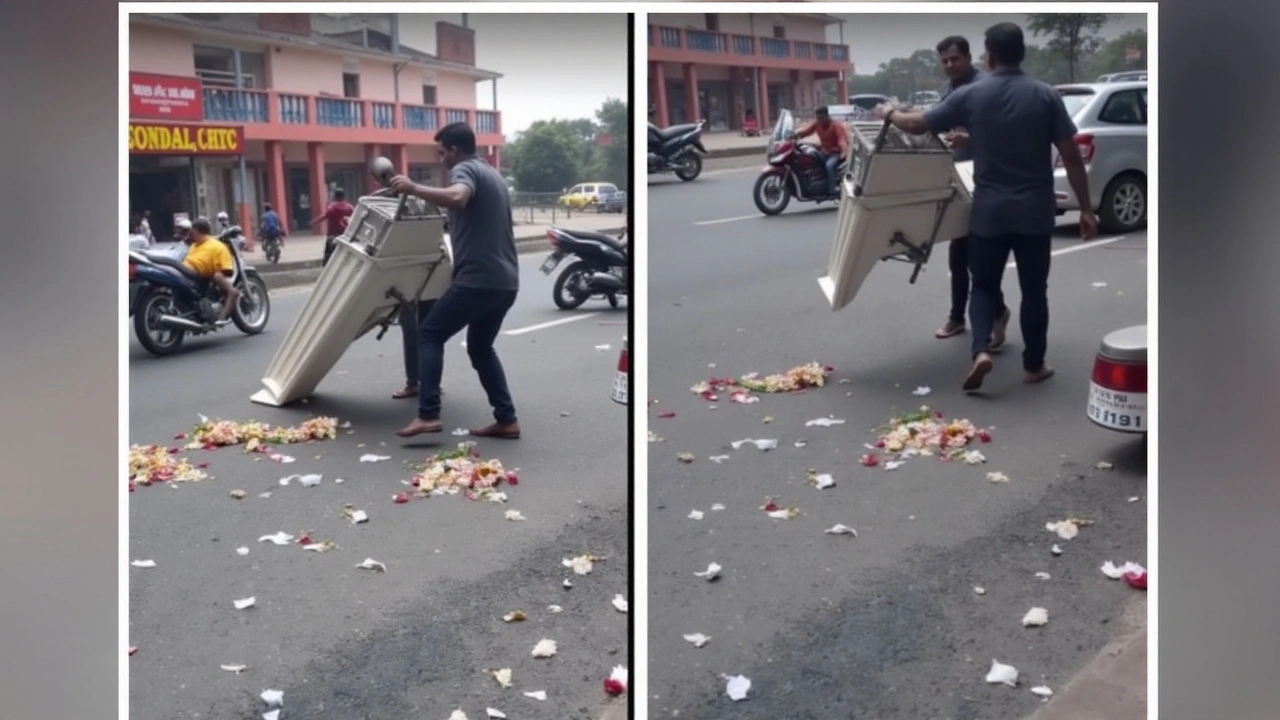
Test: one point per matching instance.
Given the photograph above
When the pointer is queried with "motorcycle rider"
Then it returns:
(272, 228)
(336, 217)
(211, 259)
(833, 141)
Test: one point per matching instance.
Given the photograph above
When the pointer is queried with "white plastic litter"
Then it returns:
(273, 698)
(840, 529)
(245, 603)
(698, 639)
(620, 603)
(242, 551)
(712, 571)
(280, 538)
(539, 695)
(922, 391)
(1043, 691)
(544, 649)
(1035, 617)
(824, 422)
(1115, 572)
(717, 507)
(737, 687)
(695, 514)
(143, 563)
(822, 481)
(370, 457)
(763, 445)
(371, 564)
(717, 459)
(1001, 674)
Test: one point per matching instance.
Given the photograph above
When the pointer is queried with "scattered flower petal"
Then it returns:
(273, 698)
(1104, 465)
(458, 715)
(742, 397)
(616, 683)
(1043, 576)
(514, 616)
(893, 464)
(922, 391)
(762, 445)
(495, 714)
(280, 538)
(602, 347)
(1099, 284)
(620, 603)
(695, 514)
(978, 590)
(242, 551)
(667, 414)
(997, 477)
(869, 460)
(283, 459)
(143, 563)
(555, 608)
(822, 481)
(717, 459)
(1134, 499)
(1056, 550)
(544, 649)
(370, 458)
(514, 516)
(371, 564)
(1115, 573)
(711, 573)
(271, 714)
(540, 695)
(717, 507)
(825, 422)
(973, 457)
(698, 639)
(737, 687)
(1136, 580)
(503, 677)
(237, 669)
(1002, 674)
(686, 457)
(245, 603)
(1035, 617)
(1065, 529)
(582, 564)
(567, 583)
(1042, 691)
(309, 480)
(237, 494)
(841, 529)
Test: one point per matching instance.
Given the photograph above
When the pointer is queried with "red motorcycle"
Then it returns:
(795, 170)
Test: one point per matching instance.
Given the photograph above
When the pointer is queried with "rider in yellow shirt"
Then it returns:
(211, 259)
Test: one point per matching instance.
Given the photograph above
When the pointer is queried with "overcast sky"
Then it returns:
(553, 66)
(878, 38)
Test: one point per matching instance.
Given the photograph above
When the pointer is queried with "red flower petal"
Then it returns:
(304, 539)
(880, 443)
(180, 436)
(400, 498)
(709, 396)
(132, 649)
(513, 479)
(417, 482)
(174, 451)
(130, 486)
(613, 687)
(937, 414)
(1136, 580)
(984, 436)
(202, 465)
(667, 414)
(870, 460)
(771, 507)
(470, 495)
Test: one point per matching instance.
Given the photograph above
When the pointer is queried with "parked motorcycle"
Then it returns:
(600, 269)
(795, 170)
(675, 150)
(168, 301)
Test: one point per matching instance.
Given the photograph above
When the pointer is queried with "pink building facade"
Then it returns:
(720, 67)
(302, 111)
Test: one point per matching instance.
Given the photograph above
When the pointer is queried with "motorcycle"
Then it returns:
(599, 271)
(675, 150)
(271, 248)
(795, 170)
(168, 301)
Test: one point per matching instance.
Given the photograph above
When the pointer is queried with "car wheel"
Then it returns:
(1124, 204)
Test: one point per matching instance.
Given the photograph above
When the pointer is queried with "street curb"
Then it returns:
(306, 272)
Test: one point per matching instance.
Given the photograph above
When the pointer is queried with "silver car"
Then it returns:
(1111, 123)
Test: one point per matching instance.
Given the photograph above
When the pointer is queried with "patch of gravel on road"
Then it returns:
(433, 656)
(918, 641)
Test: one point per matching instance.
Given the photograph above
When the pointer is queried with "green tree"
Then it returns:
(1111, 57)
(1071, 35)
(614, 117)
(548, 156)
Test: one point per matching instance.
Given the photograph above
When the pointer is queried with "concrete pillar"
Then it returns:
(400, 158)
(371, 152)
(319, 188)
(692, 108)
(762, 93)
(659, 94)
(735, 99)
(277, 190)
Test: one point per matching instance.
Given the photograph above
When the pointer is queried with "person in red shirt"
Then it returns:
(336, 217)
(833, 141)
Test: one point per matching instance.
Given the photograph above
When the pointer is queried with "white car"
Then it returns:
(1111, 125)
(619, 392)
(1118, 388)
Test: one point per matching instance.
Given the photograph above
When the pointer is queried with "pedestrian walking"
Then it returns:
(336, 217)
(957, 62)
(486, 278)
(1011, 120)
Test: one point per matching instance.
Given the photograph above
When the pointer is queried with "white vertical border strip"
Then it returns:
(640, 367)
(1153, 364)
(122, 350)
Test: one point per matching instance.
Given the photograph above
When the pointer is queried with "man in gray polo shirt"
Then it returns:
(486, 277)
(1013, 120)
(957, 63)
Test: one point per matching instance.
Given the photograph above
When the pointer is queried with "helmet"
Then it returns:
(183, 224)
(223, 218)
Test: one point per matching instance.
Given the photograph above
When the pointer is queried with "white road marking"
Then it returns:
(1078, 248)
(729, 220)
(550, 324)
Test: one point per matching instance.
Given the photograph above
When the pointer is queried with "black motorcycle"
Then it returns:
(675, 150)
(169, 301)
(599, 271)
(271, 248)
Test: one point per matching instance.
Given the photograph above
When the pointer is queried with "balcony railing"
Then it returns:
(228, 105)
(742, 47)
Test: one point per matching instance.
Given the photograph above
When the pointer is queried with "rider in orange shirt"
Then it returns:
(833, 141)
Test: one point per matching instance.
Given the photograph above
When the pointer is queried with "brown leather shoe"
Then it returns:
(420, 427)
(1044, 373)
(981, 366)
(498, 430)
(1000, 330)
(951, 329)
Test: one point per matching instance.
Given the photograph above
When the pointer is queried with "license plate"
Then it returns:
(550, 264)
(619, 394)
(1125, 412)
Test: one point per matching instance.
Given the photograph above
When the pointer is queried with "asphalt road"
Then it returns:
(417, 641)
(887, 624)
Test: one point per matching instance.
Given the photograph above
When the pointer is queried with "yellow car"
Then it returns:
(587, 194)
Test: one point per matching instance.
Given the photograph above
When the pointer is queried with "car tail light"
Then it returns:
(553, 238)
(622, 361)
(1084, 141)
(133, 271)
(1120, 377)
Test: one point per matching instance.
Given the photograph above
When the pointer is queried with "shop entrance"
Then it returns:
(299, 198)
(163, 186)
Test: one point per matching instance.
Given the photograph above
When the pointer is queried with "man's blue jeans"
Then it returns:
(481, 312)
(832, 161)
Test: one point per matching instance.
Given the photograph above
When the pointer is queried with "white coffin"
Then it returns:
(377, 255)
(897, 186)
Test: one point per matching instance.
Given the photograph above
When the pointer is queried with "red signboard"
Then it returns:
(167, 139)
(166, 97)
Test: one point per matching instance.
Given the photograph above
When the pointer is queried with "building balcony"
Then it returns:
(680, 45)
(275, 115)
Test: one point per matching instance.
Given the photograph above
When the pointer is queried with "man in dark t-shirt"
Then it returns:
(486, 278)
(1014, 122)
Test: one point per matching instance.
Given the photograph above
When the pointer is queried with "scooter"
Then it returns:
(600, 271)
(675, 150)
(170, 301)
